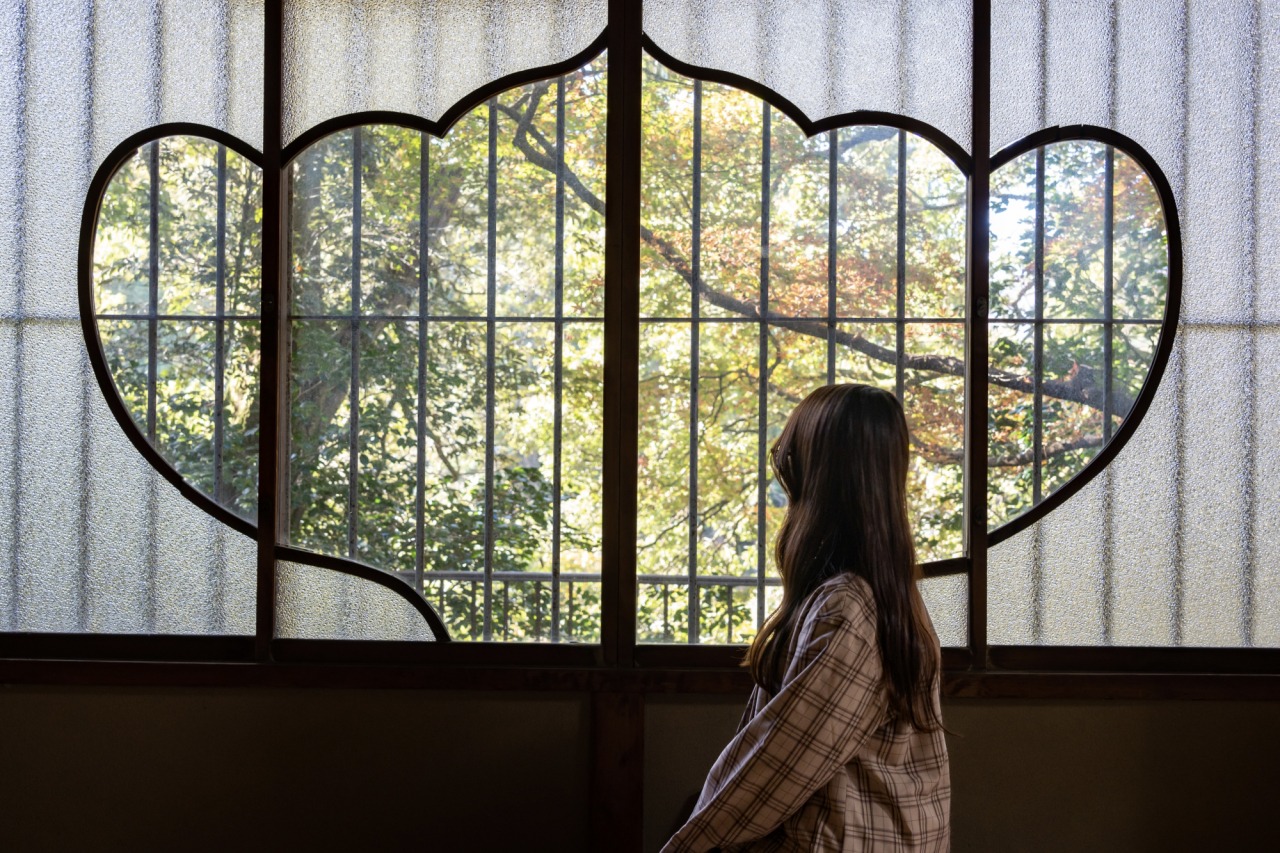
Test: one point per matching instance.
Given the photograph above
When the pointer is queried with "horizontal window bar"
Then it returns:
(476, 576)
(448, 318)
(784, 318)
(198, 318)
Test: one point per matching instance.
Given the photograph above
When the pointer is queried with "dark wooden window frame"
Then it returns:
(618, 665)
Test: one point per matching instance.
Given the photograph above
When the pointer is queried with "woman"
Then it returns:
(841, 745)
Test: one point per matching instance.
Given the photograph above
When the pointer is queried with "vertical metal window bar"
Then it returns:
(475, 610)
(353, 438)
(728, 613)
(1108, 330)
(1108, 294)
(273, 499)
(558, 426)
(976, 347)
(695, 314)
(1037, 449)
(899, 380)
(666, 612)
(833, 213)
(153, 328)
(537, 609)
(220, 310)
(420, 472)
(506, 610)
(763, 425)
(153, 281)
(490, 355)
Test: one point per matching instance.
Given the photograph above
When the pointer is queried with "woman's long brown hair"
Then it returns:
(842, 459)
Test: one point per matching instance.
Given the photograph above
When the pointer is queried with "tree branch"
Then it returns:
(940, 454)
(1080, 387)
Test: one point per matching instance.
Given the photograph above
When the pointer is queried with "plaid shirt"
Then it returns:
(824, 764)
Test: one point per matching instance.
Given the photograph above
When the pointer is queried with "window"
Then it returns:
(465, 392)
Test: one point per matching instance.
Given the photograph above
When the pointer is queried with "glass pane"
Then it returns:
(663, 611)
(1011, 420)
(867, 353)
(1141, 243)
(580, 611)
(1071, 429)
(472, 463)
(1076, 232)
(321, 604)
(523, 448)
(584, 133)
(454, 464)
(729, 409)
(184, 397)
(934, 232)
(581, 459)
(1013, 240)
(177, 268)
(947, 599)
(390, 186)
(388, 52)
(1078, 245)
(387, 445)
(122, 244)
(934, 404)
(457, 218)
(721, 173)
(525, 276)
(117, 549)
(94, 539)
(732, 171)
(833, 58)
(666, 168)
(867, 198)
(321, 227)
(799, 202)
(320, 469)
(662, 478)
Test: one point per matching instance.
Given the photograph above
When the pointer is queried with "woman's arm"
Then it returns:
(802, 737)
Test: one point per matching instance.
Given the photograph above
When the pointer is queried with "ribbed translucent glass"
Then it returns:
(319, 604)
(947, 599)
(91, 538)
(421, 58)
(1177, 543)
(835, 57)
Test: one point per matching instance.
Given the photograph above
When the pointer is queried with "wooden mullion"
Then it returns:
(977, 299)
(272, 453)
(621, 333)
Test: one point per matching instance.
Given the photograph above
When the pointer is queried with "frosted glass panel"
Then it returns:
(1264, 612)
(180, 60)
(1176, 543)
(94, 540)
(321, 604)
(97, 540)
(836, 57)
(421, 58)
(947, 598)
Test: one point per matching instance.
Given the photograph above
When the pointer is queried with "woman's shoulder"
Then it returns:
(843, 598)
(838, 622)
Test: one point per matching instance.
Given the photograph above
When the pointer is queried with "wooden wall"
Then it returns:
(250, 768)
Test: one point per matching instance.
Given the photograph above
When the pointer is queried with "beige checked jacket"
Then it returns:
(824, 765)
